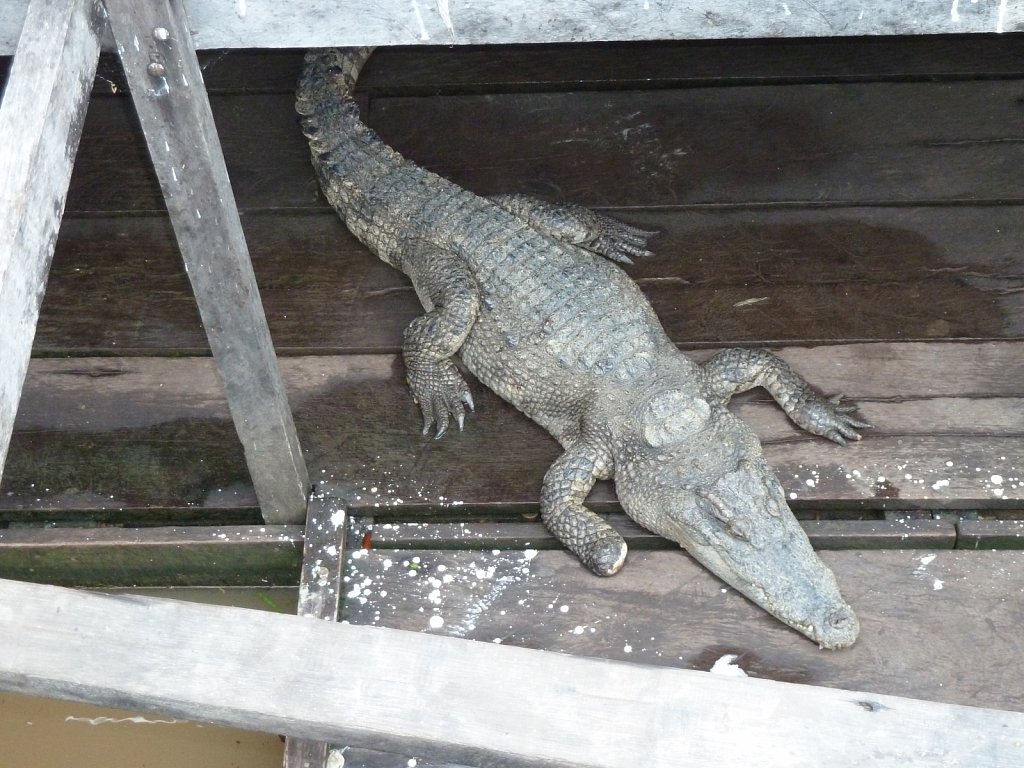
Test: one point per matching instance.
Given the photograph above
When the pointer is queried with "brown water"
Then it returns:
(40, 733)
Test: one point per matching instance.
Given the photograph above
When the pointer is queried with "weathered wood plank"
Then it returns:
(947, 434)
(819, 143)
(117, 285)
(990, 534)
(224, 24)
(41, 116)
(824, 534)
(268, 555)
(935, 624)
(167, 90)
(435, 70)
(423, 693)
(320, 591)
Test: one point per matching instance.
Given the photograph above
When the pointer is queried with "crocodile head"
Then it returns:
(694, 473)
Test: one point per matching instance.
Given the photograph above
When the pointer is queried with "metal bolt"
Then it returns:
(160, 33)
(156, 69)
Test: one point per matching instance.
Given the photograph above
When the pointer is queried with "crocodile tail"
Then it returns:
(324, 96)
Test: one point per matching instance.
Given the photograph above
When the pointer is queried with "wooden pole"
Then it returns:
(466, 702)
(320, 590)
(166, 83)
(41, 120)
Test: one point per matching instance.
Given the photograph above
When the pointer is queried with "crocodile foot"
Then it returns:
(617, 240)
(441, 393)
(829, 417)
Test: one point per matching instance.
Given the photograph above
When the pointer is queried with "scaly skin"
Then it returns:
(526, 293)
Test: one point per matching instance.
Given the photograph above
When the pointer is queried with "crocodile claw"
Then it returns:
(442, 395)
(619, 241)
(833, 419)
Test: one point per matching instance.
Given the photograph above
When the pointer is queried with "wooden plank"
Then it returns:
(267, 555)
(167, 90)
(224, 24)
(815, 143)
(320, 591)
(900, 533)
(935, 624)
(669, 147)
(990, 534)
(898, 273)
(428, 70)
(44, 105)
(423, 693)
(946, 415)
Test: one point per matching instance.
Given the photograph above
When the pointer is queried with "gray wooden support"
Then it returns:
(41, 120)
(467, 702)
(166, 83)
(320, 590)
(314, 23)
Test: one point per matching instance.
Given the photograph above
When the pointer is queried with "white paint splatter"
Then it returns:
(727, 667)
(436, 622)
(338, 518)
(937, 584)
(927, 559)
(424, 35)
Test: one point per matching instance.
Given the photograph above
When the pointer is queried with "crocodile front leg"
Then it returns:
(451, 298)
(580, 226)
(737, 370)
(583, 532)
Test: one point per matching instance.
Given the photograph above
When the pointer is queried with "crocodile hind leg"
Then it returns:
(737, 370)
(451, 299)
(580, 226)
(583, 532)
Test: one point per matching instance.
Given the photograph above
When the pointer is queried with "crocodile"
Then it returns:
(527, 293)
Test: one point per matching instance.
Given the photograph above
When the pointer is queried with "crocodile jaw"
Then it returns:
(741, 529)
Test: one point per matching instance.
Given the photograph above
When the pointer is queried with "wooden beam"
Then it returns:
(299, 24)
(320, 590)
(236, 555)
(166, 83)
(41, 118)
(445, 698)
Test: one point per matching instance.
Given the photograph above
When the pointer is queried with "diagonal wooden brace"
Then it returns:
(163, 74)
(40, 125)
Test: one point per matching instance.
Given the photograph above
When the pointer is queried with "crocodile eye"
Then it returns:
(671, 417)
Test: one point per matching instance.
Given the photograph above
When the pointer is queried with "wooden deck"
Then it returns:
(855, 204)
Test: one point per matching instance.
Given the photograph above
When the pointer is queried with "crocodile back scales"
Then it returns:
(556, 322)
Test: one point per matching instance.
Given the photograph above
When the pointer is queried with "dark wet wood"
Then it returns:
(117, 285)
(183, 556)
(155, 431)
(956, 142)
(990, 534)
(429, 70)
(940, 625)
(824, 534)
